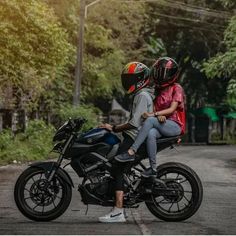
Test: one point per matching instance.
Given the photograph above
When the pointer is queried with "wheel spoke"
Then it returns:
(36, 206)
(33, 179)
(41, 176)
(183, 181)
(54, 203)
(178, 206)
(161, 201)
(187, 191)
(27, 190)
(170, 207)
(186, 199)
(27, 198)
(58, 197)
(177, 176)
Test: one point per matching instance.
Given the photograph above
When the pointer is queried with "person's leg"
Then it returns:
(151, 144)
(119, 198)
(171, 128)
(149, 123)
(117, 173)
(117, 212)
(168, 128)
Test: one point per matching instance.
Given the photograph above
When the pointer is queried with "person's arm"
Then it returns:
(140, 106)
(120, 128)
(167, 111)
(135, 121)
(116, 128)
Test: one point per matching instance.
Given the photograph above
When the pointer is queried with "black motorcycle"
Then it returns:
(43, 191)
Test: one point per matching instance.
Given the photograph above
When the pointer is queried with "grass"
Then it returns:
(34, 144)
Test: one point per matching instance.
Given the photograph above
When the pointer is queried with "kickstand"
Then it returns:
(86, 212)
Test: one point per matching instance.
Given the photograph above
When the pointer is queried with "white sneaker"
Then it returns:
(113, 217)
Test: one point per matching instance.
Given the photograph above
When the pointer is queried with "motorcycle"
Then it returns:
(43, 191)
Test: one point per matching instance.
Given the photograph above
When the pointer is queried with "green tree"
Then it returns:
(223, 65)
(34, 51)
(191, 31)
(112, 37)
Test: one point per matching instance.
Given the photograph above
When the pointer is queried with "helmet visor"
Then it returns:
(164, 74)
(129, 80)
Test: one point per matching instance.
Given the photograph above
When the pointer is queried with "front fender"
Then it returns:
(49, 166)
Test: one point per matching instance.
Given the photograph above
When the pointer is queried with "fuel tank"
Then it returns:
(98, 135)
(95, 140)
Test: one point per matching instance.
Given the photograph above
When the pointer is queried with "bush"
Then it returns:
(34, 144)
(88, 112)
(5, 139)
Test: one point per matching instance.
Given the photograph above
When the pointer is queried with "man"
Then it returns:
(135, 79)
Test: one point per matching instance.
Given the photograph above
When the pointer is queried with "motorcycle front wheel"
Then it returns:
(41, 200)
(183, 194)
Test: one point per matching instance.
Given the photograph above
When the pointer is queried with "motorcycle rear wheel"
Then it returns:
(183, 202)
(40, 203)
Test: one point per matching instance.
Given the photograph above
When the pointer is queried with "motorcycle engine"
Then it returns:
(101, 187)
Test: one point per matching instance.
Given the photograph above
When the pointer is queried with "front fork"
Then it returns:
(60, 158)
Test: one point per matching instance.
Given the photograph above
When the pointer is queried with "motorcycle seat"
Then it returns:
(173, 139)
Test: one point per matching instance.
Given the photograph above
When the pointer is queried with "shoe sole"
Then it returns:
(124, 160)
(112, 221)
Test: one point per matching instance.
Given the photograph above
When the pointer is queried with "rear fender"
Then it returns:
(49, 166)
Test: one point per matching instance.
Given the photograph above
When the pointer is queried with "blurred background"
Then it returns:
(47, 47)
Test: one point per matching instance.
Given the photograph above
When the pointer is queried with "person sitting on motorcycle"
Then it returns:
(167, 120)
(135, 79)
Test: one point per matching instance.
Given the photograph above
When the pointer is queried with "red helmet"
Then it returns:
(164, 72)
(134, 76)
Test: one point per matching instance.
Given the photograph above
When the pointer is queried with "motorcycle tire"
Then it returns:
(194, 202)
(41, 197)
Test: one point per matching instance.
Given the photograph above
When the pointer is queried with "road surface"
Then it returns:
(216, 166)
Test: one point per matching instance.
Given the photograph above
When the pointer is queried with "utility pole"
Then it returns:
(79, 62)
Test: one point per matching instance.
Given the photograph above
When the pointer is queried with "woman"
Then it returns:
(168, 118)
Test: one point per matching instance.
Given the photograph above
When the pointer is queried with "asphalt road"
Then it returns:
(216, 166)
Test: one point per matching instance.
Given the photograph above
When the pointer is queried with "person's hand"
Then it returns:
(106, 126)
(145, 115)
(162, 119)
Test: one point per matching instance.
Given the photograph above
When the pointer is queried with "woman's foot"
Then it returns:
(149, 173)
(126, 157)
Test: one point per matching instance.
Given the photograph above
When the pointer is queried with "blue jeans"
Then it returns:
(151, 130)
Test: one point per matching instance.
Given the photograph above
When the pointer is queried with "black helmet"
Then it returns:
(134, 76)
(164, 72)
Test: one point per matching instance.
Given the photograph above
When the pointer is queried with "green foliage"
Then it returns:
(34, 49)
(228, 3)
(86, 111)
(156, 47)
(112, 37)
(5, 139)
(223, 65)
(34, 144)
(102, 64)
(125, 20)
